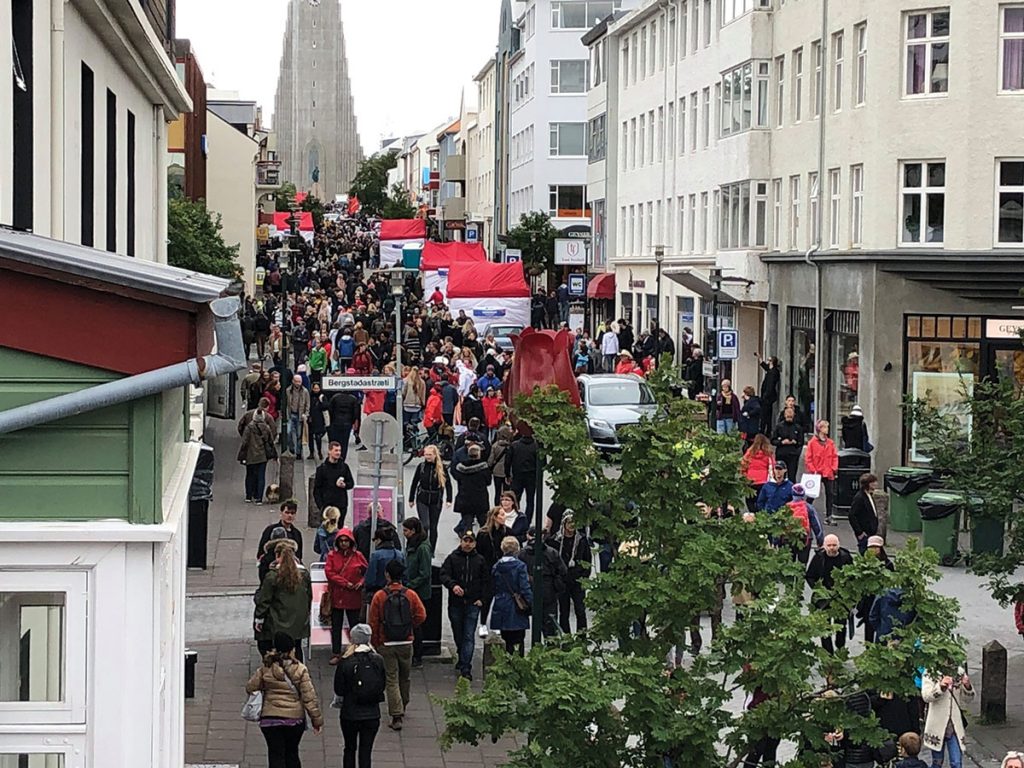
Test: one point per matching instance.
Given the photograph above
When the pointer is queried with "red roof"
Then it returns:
(403, 229)
(443, 255)
(473, 280)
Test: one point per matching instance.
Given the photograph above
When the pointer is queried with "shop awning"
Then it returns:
(698, 282)
(602, 287)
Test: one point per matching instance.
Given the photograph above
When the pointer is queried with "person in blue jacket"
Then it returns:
(777, 492)
(510, 578)
(386, 550)
(489, 379)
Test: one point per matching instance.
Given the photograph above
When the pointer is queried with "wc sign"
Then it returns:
(570, 251)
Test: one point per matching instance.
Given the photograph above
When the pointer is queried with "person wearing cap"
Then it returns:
(289, 508)
(855, 431)
(553, 573)
(489, 379)
(863, 515)
(777, 492)
(467, 577)
(359, 682)
(875, 549)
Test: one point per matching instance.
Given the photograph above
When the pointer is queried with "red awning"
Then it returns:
(403, 229)
(443, 255)
(602, 287)
(305, 221)
(485, 279)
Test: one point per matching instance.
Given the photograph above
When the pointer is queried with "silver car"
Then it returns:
(613, 400)
(502, 334)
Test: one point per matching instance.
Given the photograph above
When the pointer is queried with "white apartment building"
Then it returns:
(910, 216)
(546, 98)
(480, 158)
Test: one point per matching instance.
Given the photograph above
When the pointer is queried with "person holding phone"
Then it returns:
(944, 727)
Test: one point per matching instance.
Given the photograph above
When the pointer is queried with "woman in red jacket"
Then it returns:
(346, 570)
(757, 466)
(493, 416)
(432, 416)
(822, 459)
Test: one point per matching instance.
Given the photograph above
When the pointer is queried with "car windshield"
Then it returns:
(504, 330)
(621, 393)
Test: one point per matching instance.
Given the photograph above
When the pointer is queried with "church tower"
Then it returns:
(314, 114)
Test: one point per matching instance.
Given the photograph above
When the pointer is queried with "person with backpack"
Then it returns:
(395, 612)
(359, 682)
(803, 511)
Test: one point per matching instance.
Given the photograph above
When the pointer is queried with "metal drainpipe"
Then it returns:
(665, 4)
(230, 357)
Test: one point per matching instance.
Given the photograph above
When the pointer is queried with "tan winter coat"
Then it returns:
(279, 700)
(943, 707)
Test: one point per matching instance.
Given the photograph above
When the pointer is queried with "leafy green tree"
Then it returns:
(370, 184)
(315, 206)
(986, 464)
(195, 242)
(397, 205)
(535, 236)
(284, 197)
(602, 698)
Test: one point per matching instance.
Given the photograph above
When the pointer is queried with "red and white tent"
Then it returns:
(282, 227)
(438, 258)
(395, 234)
(491, 294)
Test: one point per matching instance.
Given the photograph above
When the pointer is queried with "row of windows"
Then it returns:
(565, 201)
(581, 14)
(521, 85)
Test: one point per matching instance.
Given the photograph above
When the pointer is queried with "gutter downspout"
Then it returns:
(230, 357)
(57, 119)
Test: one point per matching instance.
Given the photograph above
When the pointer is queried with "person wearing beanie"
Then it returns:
(288, 698)
(855, 432)
(359, 682)
(803, 511)
(277, 535)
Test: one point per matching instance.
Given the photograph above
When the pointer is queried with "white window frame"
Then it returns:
(683, 38)
(682, 126)
(703, 222)
(692, 221)
(641, 140)
(1005, 189)
(838, 54)
(856, 206)
(923, 191)
(707, 23)
(556, 76)
(929, 41)
(780, 91)
(794, 212)
(762, 94)
(817, 76)
(680, 235)
(73, 747)
(798, 85)
(650, 137)
(860, 78)
(835, 204)
(777, 214)
(625, 145)
(74, 651)
(814, 209)
(659, 135)
(694, 105)
(1004, 38)
(670, 130)
(705, 126)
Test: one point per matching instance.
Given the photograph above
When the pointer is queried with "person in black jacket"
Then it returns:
(431, 486)
(473, 499)
(472, 408)
(467, 578)
(574, 550)
(857, 754)
(770, 386)
(553, 573)
(289, 508)
(344, 412)
(693, 373)
(855, 431)
(821, 572)
(863, 516)
(332, 482)
(521, 470)
(788, 439)
(359, 681)
(317, 423)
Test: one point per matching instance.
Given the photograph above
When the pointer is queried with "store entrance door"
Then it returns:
(1004, 362)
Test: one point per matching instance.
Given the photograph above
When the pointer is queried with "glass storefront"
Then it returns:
(798, 379)
(844, 363)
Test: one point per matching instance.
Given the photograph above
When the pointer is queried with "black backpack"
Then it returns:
(397, 616)
(367, 679)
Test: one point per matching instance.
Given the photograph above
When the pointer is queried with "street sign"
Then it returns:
(472, 234)
(571, 251)
(728, 344)
(708, 368)
(360, 383)
(577, 285)
(513, 254)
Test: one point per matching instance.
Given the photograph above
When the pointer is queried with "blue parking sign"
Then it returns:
(728, 344)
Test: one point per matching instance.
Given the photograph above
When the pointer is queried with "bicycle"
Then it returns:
(415, 440)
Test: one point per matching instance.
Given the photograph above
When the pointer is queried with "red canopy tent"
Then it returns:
(443, 255)
(403, 229)
(305, 221)
(486, 279)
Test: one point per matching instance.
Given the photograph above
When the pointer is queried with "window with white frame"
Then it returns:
(794, 212)
(737, 97)
(691, 229)
(860, 79)
(927, 52)
(706, 122)
(642, 229)
(656, 229)
(703, 222)
(814, 206)
(707, 23)
(695, 27)
(683, 39)
(798, 85)
(641, 143)
(1011, 202)
(835, 195)
(762, 87)
(643, 53)
(568, 139)
(1011, 50)
(856, 205)
(733, 9)
(581, 14)
(622, 229)
(568, 201)
(633, 59)
(631, 240)
(650, 136)
(837, 70)
(922, 202)
(682, 126)
(670, 130)
(655, 50)
(760, 223)
(597, 142)
(632, 143)
(742, 215)
(673, 32)
(569, 76)
(680, 239)
(817, 83)
(693, 121)
(777, 214)
(659, 135)
(625, 62)
(625, 145)
(780, 90)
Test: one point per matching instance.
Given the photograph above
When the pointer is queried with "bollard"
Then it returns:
(286, 479)
(313, 515)
(191, 659)
(490, 642)
(993, 683)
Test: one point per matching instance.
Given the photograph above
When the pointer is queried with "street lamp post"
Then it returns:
(659, 257)
(284, 264)
(716, 288)
(397, 292)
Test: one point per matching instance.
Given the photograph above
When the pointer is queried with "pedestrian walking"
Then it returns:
(343, 409)
(822, 459)
(431, 488)
(574, 550)
(386, 548)
(496, 461)
(945, 696)
(277, 535)
(418, 558)
(346, 575)
(395, 612)
(513, 598)
(283, 601)
(757, 465)
(258, 431)
(332, 482)
(863, 515)
(609, 348)
(749, 422)
(821, 572)
(788, 439)
(359, 682)
(288, 698)
(323, 541)
(771, 385)
(289, 509)
(317, 422)
(875, 549)
(855, 431)
(467, 578)
(727, 409)
(777, 492)
(553, 574)
(472, 502)
(298, 404)
(521, 469)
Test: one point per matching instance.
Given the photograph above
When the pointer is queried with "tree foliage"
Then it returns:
(602, 699)
(314, 205)
(986, 464)
(535, 236)
(397, 205)
(370, 184)
(195, 241)
(284, 197)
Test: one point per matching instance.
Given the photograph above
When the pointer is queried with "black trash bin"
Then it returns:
(199, 496)
(852, 464)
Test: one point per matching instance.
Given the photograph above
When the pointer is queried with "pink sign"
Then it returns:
(362, 499)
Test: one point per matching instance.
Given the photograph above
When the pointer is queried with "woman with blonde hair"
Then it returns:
(326, 532)
(414, 395)
(431, 486)
(284, 599)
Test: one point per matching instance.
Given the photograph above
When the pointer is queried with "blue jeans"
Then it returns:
(956, 755)
(724, 426)
(255, 481)
(464, 617)
(295, 433)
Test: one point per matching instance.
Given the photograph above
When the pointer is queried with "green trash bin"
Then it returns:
(940, 523)
(987, 530)
(906, 485)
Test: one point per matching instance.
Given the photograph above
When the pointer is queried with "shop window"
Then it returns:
(844, 362)
(940, 372)
(802, 348)
(31, 760)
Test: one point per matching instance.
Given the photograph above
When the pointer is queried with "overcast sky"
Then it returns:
(408, 59)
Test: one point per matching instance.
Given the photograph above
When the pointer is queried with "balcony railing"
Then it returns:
(268, 173)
